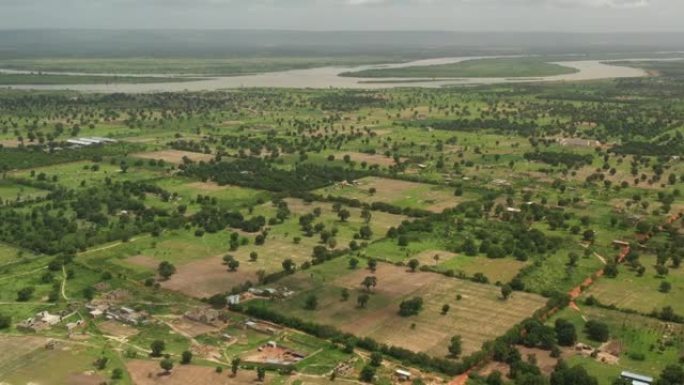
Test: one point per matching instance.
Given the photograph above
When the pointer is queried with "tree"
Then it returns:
(576, 375)
(117, 374)
(369, 282)
(376, 359)
(410, 307)
(403, 240)
(166, 270)
(362, 300)
(566, 335)
(367, 374)
(166, 364)
(345, 294)
(597, 331)
(343, 214)
(233, 265)
(157, 348)
(665, 287)
(372, 265)
(5, 321)
(311, 302)
(235, 365)
(506, 291)
(671, 375)
(455, 346)
(186, 357)
(253, 256)
(353, 263)
(25, 294)
(413, 264)
(261, 374)
(445, 308)
(289, 265)
(101, 363)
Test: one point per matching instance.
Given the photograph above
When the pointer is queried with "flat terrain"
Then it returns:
(381, 321)
(174, 156)
(396, 192)
(149, 373)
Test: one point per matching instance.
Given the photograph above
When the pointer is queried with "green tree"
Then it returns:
(157, 347)
(261, 374)
(166, 364)
(376, 359)
(506, 291)
(166, 269)
(369, 282)
(413, 264)
(25, 294)
(367, 373)
(311, 302)
(455, 346)
(362, 300)
(597, 331)
(186, 357)
(235, 365)
(233, 265)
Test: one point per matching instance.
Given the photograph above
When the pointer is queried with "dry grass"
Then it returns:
(174, 156)
(117, 329)
(149, 373)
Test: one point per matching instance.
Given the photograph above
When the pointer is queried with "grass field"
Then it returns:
(12, 192)
(629, 291)
(478, 68)
(380, 320)
(27, 361)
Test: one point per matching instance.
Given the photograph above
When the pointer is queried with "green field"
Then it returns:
(49, 79)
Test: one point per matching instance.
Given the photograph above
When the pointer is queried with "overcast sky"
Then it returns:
(456, 15)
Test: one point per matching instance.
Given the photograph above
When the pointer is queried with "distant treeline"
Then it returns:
(567, 159)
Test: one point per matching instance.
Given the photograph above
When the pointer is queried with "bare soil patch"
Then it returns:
(207, 186)
(427, 257)
(206, 277)
(175, 156)
(149, 373)
(86, 379)
(117, 329)
(544, 360)
(9, 143)
(192, 328)
(380, 160)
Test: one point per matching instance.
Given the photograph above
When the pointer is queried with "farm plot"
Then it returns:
(86, 173)
(149, 373)
(643, 294)
(427, 332)
(227, 196)
(636, 343)
(495, 269)
(396, 192)
(26, 360)
(174, 156)
(12, 192)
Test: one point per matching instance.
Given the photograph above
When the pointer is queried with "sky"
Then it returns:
(448, 15)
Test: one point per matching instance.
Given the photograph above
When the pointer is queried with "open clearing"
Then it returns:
(371, 159)
(174, 156)
(380, 319)
(25, 360)
(117, 329)
(396, 192)
(149, 373)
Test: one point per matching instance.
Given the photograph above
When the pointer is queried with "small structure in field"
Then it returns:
(203, 315)
(637, 379)
(403, 375)
(578, 142)
(41, 321)
(127, 315)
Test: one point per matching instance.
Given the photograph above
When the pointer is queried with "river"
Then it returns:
(328, 77)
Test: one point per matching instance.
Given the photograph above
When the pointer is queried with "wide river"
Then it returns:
(328, 77)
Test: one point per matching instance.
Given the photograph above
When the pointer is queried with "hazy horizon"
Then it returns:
(571, 16)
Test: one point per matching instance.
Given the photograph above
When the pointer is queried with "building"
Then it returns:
(233, 299)
(637, 379)
(41, 321)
